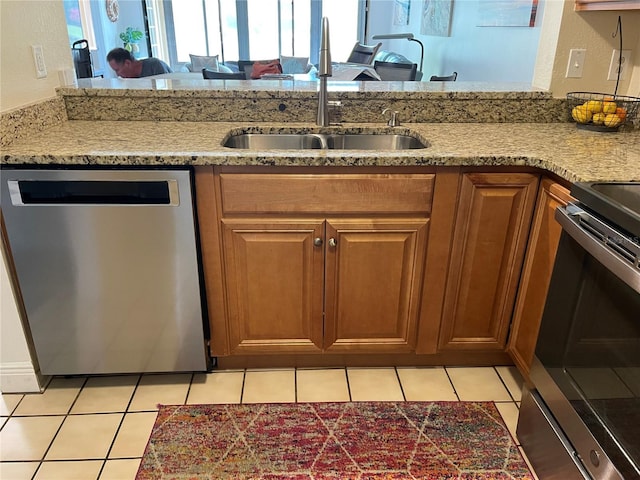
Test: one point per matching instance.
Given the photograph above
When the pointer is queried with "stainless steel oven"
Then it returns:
(581, 417)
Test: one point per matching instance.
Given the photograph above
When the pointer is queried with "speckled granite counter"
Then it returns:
(192, 85)
(561, 148)
(167, 99)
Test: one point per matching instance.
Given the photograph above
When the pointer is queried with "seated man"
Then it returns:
(126, 66)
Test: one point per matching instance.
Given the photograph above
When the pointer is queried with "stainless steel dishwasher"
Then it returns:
(107, 265)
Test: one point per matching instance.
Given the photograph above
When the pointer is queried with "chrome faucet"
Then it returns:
(393, 117)
(324, 71)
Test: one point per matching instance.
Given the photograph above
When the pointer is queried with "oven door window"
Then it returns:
(590, 344)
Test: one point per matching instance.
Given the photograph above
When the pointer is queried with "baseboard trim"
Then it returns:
(20, 377)
(283, 360)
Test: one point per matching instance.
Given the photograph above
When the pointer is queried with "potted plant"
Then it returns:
(131, 37)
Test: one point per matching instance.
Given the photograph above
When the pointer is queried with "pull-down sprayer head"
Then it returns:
(324, 71)
(324, 64)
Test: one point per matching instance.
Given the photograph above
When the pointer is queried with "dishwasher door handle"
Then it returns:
(93, 192)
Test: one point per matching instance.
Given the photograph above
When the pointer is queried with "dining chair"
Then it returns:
(363, 54)
(396, 71)
(446, 78)
(208, 74)
(82, 59)
(245, 66)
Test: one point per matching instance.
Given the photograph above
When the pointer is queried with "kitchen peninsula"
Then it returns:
(558, 148)
(491, 158)
(184, 122)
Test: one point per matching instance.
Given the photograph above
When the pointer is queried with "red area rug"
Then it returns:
(337, 441)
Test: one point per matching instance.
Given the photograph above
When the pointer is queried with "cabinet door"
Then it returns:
(373, 280)
(536, 274)
(274, 273)
(494, 213)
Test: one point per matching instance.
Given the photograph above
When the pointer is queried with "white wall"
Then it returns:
(478, 54)
(17, 373)
(634, 81)
(26, 23)
(22, 24)
(108, 32)
(536, 55)
(592, 31)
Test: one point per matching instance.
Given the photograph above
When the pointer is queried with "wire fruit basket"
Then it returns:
(601, 112)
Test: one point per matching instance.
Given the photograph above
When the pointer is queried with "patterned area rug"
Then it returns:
(333, 441)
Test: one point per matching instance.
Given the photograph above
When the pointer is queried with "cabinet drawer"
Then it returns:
(326, 193)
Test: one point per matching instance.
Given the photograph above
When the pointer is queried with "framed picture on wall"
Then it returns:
(436, 17)
(401, 12)
(507, 13)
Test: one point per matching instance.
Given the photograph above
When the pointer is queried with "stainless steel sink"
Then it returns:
(373, 142)
(336, 141)
(274, 141)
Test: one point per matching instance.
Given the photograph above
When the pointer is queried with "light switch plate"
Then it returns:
(576, 62)
(38, 60)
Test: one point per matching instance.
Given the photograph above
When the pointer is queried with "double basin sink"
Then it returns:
(331, 141)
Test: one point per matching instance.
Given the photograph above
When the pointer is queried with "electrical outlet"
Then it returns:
(616, 63)
(38, 60)
(576, 62)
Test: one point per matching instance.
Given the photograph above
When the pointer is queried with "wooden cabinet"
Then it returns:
(314, 262)
(274, 276)
(536, 274)
(312, 285)
(372, 283)
(490, 237)
(584, 5)
(423, 261)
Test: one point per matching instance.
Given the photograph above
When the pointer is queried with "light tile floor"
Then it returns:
(98, 427)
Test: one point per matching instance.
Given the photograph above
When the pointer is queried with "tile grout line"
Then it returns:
(404, 397)
(455, 392)
(186, 397)
(69, 414)
(346, 375)
(84, 386)
(513, 401)
(244, 379)
(504, 384)
(66, 415)
(133, 394)
(124, 415)
(22, 396)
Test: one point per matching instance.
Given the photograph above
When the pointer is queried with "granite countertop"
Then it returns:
(192, 85)
(560, 148)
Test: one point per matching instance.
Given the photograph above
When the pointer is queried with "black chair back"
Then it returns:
(208, 74)
(245, 66)
(364, 54)
(82, 59)
(447, 78)
(396, 71)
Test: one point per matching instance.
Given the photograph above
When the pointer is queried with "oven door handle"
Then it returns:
(621, 268)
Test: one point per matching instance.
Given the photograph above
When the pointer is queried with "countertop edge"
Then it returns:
(560, 149)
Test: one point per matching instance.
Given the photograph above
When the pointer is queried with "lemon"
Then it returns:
(598, 118)
(594, 106)
(612, 120)
(581, 114)
(609, 107)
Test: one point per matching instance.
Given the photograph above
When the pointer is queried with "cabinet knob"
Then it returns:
(317, 241)
(333, 242)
